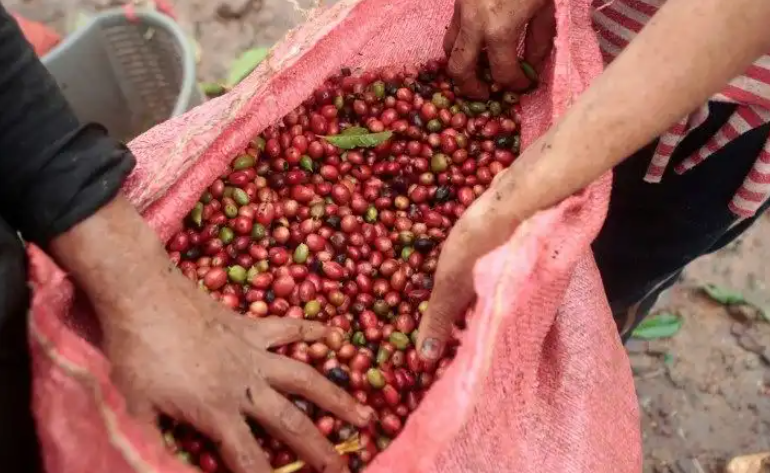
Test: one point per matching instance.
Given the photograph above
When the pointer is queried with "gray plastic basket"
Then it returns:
(127, 75)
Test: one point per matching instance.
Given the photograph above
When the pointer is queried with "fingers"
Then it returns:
(444, 309)
(540, 34)
(452, 294)
(451, 33)
(284, 421)
(500, 32)
(237, 446)
(293, 377)
(464, 57)
(276, 331)
(502, 41)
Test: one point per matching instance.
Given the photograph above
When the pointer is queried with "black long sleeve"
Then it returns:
(54, 171)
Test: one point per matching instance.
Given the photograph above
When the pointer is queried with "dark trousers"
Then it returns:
(653, 231)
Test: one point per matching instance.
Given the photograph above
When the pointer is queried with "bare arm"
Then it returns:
(687, 52)
(690, 50)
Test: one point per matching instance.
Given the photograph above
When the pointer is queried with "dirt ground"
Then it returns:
(705, 394)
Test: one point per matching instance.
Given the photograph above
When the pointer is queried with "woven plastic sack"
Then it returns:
(541, 382)
(41, 37)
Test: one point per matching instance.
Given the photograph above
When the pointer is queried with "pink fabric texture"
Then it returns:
(41, 37)
(541, 382)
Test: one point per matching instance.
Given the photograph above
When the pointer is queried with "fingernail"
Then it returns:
(431, 349)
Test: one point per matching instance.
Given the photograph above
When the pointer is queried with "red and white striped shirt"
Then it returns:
(617, 22)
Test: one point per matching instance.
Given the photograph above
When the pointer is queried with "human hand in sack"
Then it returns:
(497, 25)
(485, 225)
(176, 351)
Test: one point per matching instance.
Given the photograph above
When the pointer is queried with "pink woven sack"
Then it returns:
(41, 37)
(541, 382)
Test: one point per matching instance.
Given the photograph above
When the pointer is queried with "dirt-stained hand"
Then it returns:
(498, 26)
(178, 352)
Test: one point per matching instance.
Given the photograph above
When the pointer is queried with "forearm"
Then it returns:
(113, 255)
(689, 51)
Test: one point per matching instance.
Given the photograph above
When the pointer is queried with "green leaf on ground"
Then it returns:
(246, 62)
(663, 325)
(723, 295)
(212, 89)
(369, 140)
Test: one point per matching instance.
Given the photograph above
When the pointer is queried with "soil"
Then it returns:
(704, 394)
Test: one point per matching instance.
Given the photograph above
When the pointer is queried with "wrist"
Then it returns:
(561, 162)
(488, 223)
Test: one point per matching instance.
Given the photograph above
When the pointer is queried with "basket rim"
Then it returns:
(150, 17)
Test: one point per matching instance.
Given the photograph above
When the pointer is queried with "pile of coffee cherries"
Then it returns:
(337, 214)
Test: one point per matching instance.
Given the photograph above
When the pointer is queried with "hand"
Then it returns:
(174, 350)
(485, 225)
(497, 25)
